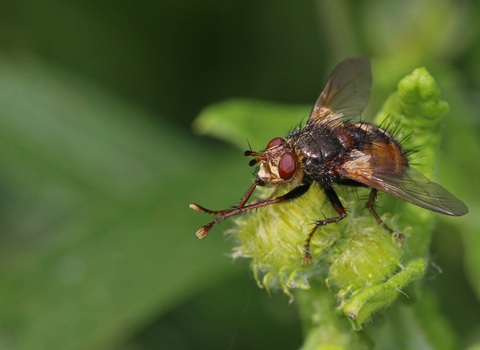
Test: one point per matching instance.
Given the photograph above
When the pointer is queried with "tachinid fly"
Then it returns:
(331, 150)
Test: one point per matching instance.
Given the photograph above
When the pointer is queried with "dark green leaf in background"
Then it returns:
(94, 237)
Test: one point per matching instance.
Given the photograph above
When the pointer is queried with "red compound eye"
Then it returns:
(287, 166)
(275, 142)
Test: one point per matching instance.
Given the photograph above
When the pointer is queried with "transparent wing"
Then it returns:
(346, 93)
(408, 184)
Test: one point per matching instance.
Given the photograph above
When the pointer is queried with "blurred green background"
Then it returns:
(98, 160)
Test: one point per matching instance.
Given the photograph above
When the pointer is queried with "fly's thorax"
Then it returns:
(281, 166)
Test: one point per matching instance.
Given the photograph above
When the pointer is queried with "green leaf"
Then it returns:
(365, 302)
(95, 235)
(238, 120)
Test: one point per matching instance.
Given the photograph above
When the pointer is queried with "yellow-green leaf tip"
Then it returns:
(364, 303)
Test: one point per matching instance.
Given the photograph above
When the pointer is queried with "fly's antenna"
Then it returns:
(250, 153)
(249, 146)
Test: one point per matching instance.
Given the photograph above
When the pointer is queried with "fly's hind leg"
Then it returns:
(370, 203)
(335, 201)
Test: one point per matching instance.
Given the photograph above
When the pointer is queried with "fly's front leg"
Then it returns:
(242, 208)
(244, 200)
(337, 205)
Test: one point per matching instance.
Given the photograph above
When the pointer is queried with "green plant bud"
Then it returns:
(357, 258)
(368, 256)
(274, 238)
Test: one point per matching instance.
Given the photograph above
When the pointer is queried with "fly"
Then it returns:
(331, 149)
